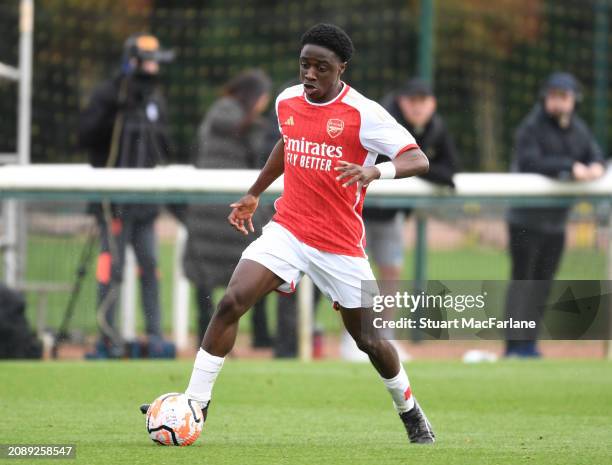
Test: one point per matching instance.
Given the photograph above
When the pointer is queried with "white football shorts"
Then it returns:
(340, 277)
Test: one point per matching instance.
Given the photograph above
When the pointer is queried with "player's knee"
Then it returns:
(367, 344)
(230, 306)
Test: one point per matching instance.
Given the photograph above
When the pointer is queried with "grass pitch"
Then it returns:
(55, 260)
(271, 412)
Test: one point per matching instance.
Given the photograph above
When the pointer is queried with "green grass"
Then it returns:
(55, 259)
(270, 412)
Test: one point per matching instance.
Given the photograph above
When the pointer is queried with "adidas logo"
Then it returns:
(289, 121)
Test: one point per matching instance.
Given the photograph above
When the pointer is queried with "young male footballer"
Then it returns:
(331, 136)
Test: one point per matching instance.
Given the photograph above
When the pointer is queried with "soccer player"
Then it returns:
(331, 136)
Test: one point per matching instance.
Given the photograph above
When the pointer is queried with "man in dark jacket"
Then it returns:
(552, 140)
(414, 107)
(124, 126)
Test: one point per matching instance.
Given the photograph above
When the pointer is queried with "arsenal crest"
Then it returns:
(334, 127)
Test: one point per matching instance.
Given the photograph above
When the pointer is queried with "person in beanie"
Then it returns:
(554, 141)
(414, 107)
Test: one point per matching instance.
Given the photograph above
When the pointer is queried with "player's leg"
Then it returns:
(272, 261)
(385, 360)
(350, 283)
(386, 248)
(250, 282)
(381, 353)
(260, 271)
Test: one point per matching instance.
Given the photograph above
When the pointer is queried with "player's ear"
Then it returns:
(342, 68)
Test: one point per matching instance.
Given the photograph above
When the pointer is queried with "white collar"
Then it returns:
(345, 87)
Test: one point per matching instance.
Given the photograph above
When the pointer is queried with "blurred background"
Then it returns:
(486, 60)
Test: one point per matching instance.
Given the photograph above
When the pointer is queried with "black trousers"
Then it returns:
(535, 257)
(141, 235)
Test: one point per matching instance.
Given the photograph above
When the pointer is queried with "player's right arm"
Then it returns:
(243, 210)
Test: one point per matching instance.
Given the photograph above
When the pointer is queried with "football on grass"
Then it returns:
(174, 420)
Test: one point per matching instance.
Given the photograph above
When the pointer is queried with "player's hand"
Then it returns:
(352, 173)
(580, 172)
(241, 216)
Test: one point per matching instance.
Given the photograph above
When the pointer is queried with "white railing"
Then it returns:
(179, 182)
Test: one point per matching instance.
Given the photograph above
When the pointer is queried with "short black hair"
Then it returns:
(331, 37)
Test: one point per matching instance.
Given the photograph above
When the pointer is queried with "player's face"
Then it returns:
(320, 71)
(417, 109)
(559, 102)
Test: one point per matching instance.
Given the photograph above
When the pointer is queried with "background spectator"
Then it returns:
(232, 135)
(552, 140)
(125, 126)
(414, 107)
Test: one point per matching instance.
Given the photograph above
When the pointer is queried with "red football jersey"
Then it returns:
(314, 205)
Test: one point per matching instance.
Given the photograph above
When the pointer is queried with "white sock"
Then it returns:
(206, 368)
(399, 388)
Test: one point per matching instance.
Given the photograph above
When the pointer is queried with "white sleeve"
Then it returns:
(381, 133)
(289, 92)
(276, 102)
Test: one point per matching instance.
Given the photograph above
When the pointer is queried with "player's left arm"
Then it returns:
(380, 133)
(412, 162)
